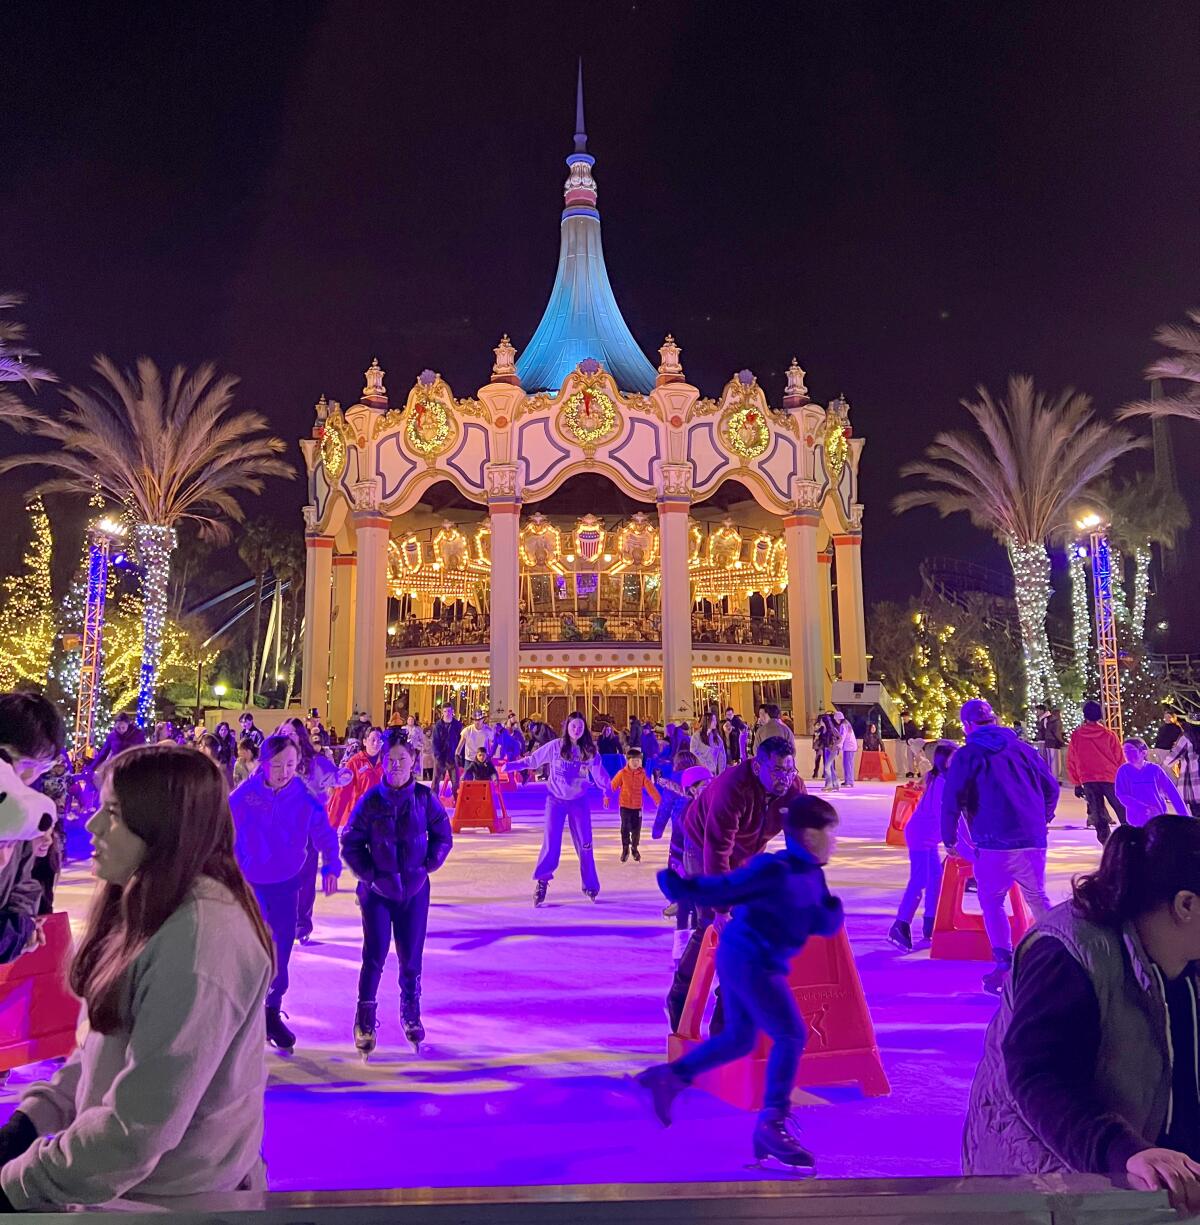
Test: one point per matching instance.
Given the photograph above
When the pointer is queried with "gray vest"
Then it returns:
(1133, 1067)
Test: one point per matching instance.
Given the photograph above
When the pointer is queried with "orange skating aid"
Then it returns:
(480, 806)
(959, 936)
(904, 804)
(841, 1047)
(38, 1013)
(876, 767)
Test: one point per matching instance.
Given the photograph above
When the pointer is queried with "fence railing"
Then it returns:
(584, 627)
(415, 634)
(740, 631)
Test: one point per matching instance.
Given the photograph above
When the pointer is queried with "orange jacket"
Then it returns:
(1094, 755)
(630, 784)
(367, 774)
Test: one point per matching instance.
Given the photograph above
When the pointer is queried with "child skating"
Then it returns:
(631, 781)
(780, 900)
(923, 835)
(398, 834)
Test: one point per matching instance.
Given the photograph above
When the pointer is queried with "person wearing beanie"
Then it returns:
(1008, 795)
(1093, 758)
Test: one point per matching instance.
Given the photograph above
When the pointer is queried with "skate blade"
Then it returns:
(773, 1165)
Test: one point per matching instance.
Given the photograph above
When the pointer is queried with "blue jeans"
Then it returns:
(757, 998)
(924, 876)
(831, 765)
(280, 905)
(577, 816)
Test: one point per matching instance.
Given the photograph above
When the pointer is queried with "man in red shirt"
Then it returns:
(1094, 756)
(732, 819)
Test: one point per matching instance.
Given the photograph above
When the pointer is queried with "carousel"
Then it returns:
(585, 531)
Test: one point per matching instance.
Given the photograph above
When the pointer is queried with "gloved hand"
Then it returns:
(1080, 793)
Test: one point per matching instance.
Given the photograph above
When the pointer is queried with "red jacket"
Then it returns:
(733, 818)
(1094, 755)
(367, 774)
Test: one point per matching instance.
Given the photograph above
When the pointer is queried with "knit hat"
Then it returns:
(693, 775)
(24, 813)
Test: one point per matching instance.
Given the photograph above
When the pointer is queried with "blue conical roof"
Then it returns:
(582, 318)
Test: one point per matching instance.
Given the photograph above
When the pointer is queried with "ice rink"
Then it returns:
(536, 1017)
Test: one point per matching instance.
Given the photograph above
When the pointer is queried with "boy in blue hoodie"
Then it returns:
(780, 899)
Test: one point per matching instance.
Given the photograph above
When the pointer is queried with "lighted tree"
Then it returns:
(1016, 475)
(173, 452)
(27, 614)
(124, 633)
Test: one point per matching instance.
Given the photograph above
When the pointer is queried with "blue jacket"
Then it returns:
(1005, 789)
(780, 900)
(272, 830)
(397, 836)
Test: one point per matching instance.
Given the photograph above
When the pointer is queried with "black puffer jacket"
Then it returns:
(395, 837)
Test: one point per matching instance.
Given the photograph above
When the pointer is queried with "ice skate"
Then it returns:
(927, 930)
(997, 976)
(901, 935)
(663, 1086)
(776, 1148)
(365, 1028)
(624, 854)
(637, 855)
(591, 894)
(410, 1013)
(278, 1034)
(539, 892)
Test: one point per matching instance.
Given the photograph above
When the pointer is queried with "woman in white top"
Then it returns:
(1144, 787)
(569, 762)
(165, 1095)
(709, 746)
(849, 746)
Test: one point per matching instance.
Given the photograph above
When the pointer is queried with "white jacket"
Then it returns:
(849, 739)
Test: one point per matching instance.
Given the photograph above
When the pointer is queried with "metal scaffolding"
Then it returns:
(1106, 633)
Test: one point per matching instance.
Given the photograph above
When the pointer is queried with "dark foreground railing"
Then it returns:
(1051, 1200)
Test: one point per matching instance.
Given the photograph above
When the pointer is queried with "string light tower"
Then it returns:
(1107, 654)
(105, 534)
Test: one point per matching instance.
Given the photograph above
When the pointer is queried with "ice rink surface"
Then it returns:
(535, 1018)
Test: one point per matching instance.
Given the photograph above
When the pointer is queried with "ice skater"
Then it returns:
(274, 817)
(569, 763)
(923, 835)
(781, 899)
(397, 835)
(632, 782)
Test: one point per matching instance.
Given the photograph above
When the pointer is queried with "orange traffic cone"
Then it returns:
(904, 804)
(841, 1047)
(876, 766)
(38, 1012)
(959, 936)
(480, 806)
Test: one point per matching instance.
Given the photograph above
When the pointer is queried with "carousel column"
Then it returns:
(675, 594)
(504, 511)
(345, 585)
(318, 611)
(852, 628)
(371, 529)
(825, 566)
(804, 620)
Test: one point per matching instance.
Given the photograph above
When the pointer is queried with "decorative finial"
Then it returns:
(795, 394)
(427, 378)
(374, 393)
(669, 368)
(322, 409)
(504, 369)
(589, 366)
(580, 127)
(746, 378)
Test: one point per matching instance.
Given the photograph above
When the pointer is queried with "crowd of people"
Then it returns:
(208, 855)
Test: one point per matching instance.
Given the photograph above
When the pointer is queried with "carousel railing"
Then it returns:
(415, 634)
(740, 631)
(589, 627)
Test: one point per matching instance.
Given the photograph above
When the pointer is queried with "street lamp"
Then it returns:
(220, 691)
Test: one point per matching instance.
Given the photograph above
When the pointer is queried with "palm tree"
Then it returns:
(1183, 364)
(172, 453)
(254, 548)
(14, 354)
(1016, 477)
(1143, 512)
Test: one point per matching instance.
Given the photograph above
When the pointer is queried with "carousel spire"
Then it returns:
(580, 126)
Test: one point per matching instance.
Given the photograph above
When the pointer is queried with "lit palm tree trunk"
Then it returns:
(155, 545)
(1141, 591)
(1031, 570)
(1081, 619)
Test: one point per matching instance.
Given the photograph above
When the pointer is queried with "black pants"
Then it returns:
(308, 894)
(278, 903)
(1095, 794)
(631, 828)
(702, 917)
(446, 769)
(385, 921)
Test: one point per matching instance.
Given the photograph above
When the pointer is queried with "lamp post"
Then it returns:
(220, 692)
(1106, 625)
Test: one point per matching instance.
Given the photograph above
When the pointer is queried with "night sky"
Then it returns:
(913, 198)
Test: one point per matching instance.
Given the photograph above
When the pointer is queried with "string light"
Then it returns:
(155, 544)
(746, 431)
(1120, 605)
(1031, 574)
(1141, 591)
(27, 622)
(428, 427)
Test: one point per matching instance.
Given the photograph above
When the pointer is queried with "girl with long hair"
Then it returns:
(165, 1095)
(227, 747)
(923, 836)
(1186, 754)
(569, 763)
(708, 745)
(1090, 1064)
(366, 769)
(829, 741)
(276, 817)
(398, 834)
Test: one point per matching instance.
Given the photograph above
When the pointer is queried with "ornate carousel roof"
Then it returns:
(582, 318)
